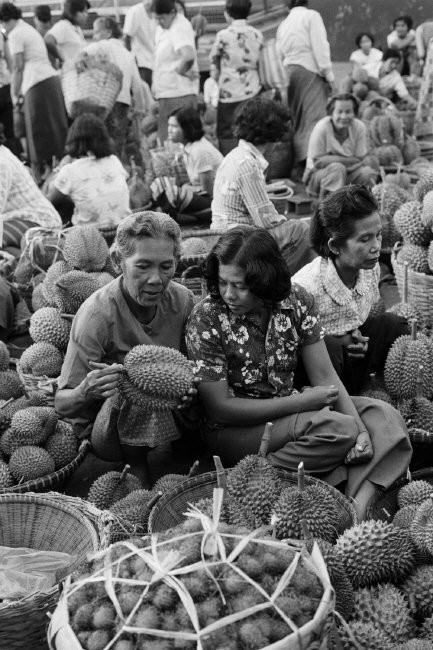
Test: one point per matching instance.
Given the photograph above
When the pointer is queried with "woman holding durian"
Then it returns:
(246, 338)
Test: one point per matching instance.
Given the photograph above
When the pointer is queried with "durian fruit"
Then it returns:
(314, 504)
(387, 609)
(418, 411)
(418, 588)
(73, 288)
(4, 357)
(427, 210)
(427, 628)
(421, 529)
(193, 246)
(48, 326)
(375, 390)
(34, 424)
(388, 154)
(6, 479)
(389, 197)
(55, 272)
(415, 492)
(111, 487)
(29, 462)
(415, 256)
(404, 308)
(135, 508)
(9, 442)
(385, 130)
(38, 298)
(155, 377)
(62, 445)
(85, 248)
(405, 356)
(42, 359)
(403, 518)
(374, 551)
(367, 637)
(169, 481)
(414, 644)
(408, 221)
(253, 486)
(10, 385)
(424, 185)
(102, 277)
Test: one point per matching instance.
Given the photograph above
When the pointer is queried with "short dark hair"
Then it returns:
(43, 13)
(88, 133)
(342, 97)
(361, 36)
(73, 7)
(159, 7)
(298, 3)
(260, 120)
(257, 253)
(391, 53)
(190, 123)
(404, 19)
(9, 11)
(238, 9)
(335, 215)
(110, 24)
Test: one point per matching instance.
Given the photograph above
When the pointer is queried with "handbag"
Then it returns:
(271, 70)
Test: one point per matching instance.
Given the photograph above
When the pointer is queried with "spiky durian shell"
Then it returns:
(427, 209)
(30, 462)
(253, 486)
(107, 489)
(10, 385)
(41, 359)
(427, 628)
(5, 357)
(389, 197)
(401, 367)
(168, 482)
(102, 277)
(418, 588)
(38, 298)
(408, 221)
(315, 504)
(72, 289)
(424, 185)
(416, 257)
(34, 424)
(62, 445)
(421, 529)
(6, 479)
(368, 637)
(417, 412)
(415, 492)
(85, 248)
(55, 272)
(194, 246)
(414, 644)
(47, 325)
(374, 551)
(134, 509)
(9, 442)
(403, 518)
(404, 309)
(386, 608)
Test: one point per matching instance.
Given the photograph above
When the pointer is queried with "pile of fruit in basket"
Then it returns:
(10, 384)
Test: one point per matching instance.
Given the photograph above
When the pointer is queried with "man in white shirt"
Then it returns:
(139, 31)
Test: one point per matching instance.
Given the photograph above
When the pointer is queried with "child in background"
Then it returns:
(402, 38)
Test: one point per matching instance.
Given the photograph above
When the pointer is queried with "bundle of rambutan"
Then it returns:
(203, 585)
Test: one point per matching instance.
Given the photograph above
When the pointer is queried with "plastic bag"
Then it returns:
(24, 571)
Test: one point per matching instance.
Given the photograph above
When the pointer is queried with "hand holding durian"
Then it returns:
(102, 381)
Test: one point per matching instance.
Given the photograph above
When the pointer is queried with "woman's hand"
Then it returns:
(357, 349)
(188, 399)
(315, 398)
(102, 381)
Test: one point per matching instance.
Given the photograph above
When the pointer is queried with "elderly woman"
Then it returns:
(141, 307)
(240, 196)
(337, 150)
(246, 338)
(346, 232)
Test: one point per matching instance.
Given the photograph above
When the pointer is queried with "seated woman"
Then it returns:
(201, 159)
(391, 85)
(96, 180)
(337, 151)
(246, 338)
(359, 58)
(240, 196)
(142, 306)
(22, 204)
(402, 38)
(346, 233)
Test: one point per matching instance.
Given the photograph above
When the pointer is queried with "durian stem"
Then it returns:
(398, 172)
(67, 316)
(265, 439)
(124, 473)
(419, 381)
(221, 473)
(153, 500)
(408, 475)
(194, 468)
(301, 476)
(414, 327)
(405, 287)
(11, 399)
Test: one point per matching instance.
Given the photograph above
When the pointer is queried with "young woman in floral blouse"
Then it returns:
(246, 338)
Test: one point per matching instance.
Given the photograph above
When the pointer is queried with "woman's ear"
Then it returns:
(332, 246)
(116, 260)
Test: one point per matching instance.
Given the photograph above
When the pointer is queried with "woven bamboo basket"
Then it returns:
(384, 506)
(420, 289)
(44, 522)
(47, 386)
(170, 510)
(311, 635)
(54, 480)
(210, 236)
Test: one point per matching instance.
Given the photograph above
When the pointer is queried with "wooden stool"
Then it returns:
(300, 204)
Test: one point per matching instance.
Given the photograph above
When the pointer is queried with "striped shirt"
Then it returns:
(239, 195)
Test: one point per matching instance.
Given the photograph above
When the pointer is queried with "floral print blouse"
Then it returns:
(235, 53)
(256, 364)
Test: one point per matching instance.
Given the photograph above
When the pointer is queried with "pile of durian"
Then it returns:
(10, 384)
(163, 593)
(33, 441)
(83, 266)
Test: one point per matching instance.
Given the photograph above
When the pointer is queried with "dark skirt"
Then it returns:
(117, 125)
(46, 121)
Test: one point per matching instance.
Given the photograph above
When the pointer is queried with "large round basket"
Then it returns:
(169, 510)
(49, 522)
(47, 386)
(54, 480)
(419, 289)
(91, 81)
(384, 506)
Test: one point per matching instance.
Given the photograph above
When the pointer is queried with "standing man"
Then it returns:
(139, 31)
